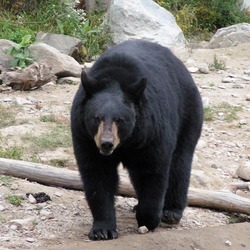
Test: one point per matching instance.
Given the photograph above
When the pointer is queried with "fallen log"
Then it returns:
(34, 76)
(44, 174)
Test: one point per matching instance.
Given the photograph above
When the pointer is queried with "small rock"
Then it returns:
(22, 101)
(47, 214)
(32, 99)
(242, 122)
(248, 97)
(14, 186)
(28, 223)
(142, 230)
(228, 80)
(190, 62)
(2, 208)
(69, 80)
(15, 227)
(221, 87)
(31, 240)
(206, 102)
(243, 171)
(58, 194)
(201, 144)
(204, 70)
(31, 199)
(247, 71)
(67, 102)
(228, 243)
(7, 99)
(193, 69)
(238, 86)
(6, 239)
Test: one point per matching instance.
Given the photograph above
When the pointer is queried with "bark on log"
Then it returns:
(222, 200)
(35, 75)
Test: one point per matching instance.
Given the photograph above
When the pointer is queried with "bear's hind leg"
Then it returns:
(150, 193)
(179, 175)
(176, 195)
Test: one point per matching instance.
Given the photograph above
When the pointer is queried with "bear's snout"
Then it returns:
(107, 138)
(106, 147)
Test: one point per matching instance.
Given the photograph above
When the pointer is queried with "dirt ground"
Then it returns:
(64, 222)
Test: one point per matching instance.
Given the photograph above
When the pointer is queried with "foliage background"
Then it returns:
(196, 16)
(19, 18)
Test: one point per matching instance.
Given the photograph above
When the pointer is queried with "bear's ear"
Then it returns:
(88, 83)
(135, 90)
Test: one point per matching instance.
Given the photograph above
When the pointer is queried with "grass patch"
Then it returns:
(2, 219)
(59, 136)
(6, 180)
(217, 64)
(208, 114)
(14, 152)
(62, 163)
(229, 112)
(7, 115)
(14, 199)
(48, 118)
(58, 119)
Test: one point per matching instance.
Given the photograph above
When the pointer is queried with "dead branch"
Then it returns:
(33, 76)
(233, 187)
(223, 200)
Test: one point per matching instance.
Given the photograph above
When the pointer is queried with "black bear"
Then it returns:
(137, 105)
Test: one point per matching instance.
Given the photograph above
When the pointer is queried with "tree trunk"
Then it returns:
(222, 200)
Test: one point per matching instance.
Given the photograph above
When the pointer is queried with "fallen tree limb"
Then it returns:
(223, 200)
(233, 187)
(33, 76)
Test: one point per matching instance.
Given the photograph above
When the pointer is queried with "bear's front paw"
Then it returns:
(171, 217)
(102, 234)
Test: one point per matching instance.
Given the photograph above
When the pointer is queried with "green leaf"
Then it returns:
(11, 51)
(18, 47)
(14, 63)
(29, 59)
(26, 40)
(60, 26)
(26, 52)
(22, 64)
(20, 56)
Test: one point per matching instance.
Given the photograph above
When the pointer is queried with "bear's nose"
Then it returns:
(107, 145)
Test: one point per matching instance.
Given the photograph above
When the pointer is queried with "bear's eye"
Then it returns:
(97, 119)
(119, 120)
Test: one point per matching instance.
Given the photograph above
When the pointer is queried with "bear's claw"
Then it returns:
(103, 234)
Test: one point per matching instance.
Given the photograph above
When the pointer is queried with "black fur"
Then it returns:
(155, 103)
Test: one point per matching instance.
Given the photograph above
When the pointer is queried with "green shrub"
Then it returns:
(55, 17)
(21, 53)
(198, 15)
(217, 64)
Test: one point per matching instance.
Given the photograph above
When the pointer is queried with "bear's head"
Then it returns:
(110, 111)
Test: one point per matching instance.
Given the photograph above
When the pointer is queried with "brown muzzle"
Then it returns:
(107, 138)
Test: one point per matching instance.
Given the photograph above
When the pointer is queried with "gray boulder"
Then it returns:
(4, 46)
(231, 36)
(243, 171)
(245, 5)
(62, 64)
(65, 44)
(143, 20)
